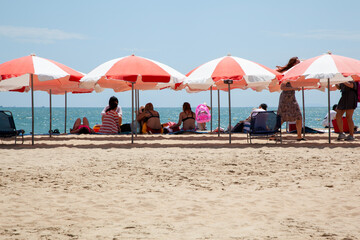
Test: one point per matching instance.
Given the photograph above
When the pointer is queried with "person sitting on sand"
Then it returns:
(244, 125)
(203, 116)
(150, 119)
(83, 128)
(186, 117)
(110, 121)
(141, 122)
(118, 109)
(325, 121)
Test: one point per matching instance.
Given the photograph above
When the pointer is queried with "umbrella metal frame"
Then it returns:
(218, 113)
(50, 104)
(32, 108)
(229, 82)
(211, 106)
(65, 110)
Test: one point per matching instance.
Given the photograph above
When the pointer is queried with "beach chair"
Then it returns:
(265, 124)
(7, 126)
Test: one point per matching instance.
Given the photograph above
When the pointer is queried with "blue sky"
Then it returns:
(182, 34)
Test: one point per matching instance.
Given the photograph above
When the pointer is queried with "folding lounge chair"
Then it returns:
(7, 126)
(265, 124)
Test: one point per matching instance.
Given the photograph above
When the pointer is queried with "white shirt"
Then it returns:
(256, 110)
(325, 122)
(118, 110)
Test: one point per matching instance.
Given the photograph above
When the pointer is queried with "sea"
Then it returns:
(22, 117)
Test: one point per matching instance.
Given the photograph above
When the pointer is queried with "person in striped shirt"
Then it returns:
(110, 121)
(118, 110)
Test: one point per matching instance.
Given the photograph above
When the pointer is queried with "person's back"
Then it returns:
(110, 121)
(110, 124)
(188, 120)
(152, 119)
(202, 116)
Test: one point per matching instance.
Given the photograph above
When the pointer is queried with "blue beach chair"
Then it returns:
(265, 124)
(7, 126)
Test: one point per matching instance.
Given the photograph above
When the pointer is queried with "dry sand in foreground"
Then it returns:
(179, 187)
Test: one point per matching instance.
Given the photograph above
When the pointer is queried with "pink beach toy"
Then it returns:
(202, 114)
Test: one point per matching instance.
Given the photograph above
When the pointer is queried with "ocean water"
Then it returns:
(22, 116)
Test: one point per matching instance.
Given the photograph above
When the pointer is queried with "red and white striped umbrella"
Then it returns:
(315, 72)
(47, 75)
(120, 73)
(324, 71)
(244, 73)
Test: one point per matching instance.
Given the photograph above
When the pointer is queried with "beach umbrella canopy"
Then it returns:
(120, 73)
(244, 73)
(315, 72)
(47, 75)
(228, 73)
(323, 71)
(36, 73)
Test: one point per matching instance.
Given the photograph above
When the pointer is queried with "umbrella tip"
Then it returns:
(229, 54)
(32, 54)
(133, 54)
(329, 52)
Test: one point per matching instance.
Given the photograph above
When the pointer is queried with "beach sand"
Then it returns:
(179, 187)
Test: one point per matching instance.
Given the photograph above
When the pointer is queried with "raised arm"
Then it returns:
(349, 84)
(285, 87)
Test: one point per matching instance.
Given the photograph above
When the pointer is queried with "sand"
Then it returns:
(179, 187)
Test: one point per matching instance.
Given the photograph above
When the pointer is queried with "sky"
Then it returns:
(183, 34)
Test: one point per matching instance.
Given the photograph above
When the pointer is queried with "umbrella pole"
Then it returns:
(136, 109)
(50, 131)
(329, 110)
(65, 110)
(211, 109)
(218, 113)
(32, 108)
(132, 112)
(229, 114)
(303, 103)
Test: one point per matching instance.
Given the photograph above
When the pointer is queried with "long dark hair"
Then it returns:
(113, 103)
(149, 107)
(187, 107)
(292, 62)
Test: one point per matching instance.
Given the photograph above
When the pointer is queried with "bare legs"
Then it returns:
(349, 118)
(298, 128)
(86, 122)
(298, 124)
(77, 123)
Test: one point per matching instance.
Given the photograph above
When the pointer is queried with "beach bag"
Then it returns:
(345, 125)
(202, 114)
(358, 91)
(238, 127)
(125, 127)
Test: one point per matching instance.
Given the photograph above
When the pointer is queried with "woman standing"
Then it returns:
(347, 104)
(289, 109)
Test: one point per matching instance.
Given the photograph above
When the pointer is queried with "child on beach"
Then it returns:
(202, 116)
